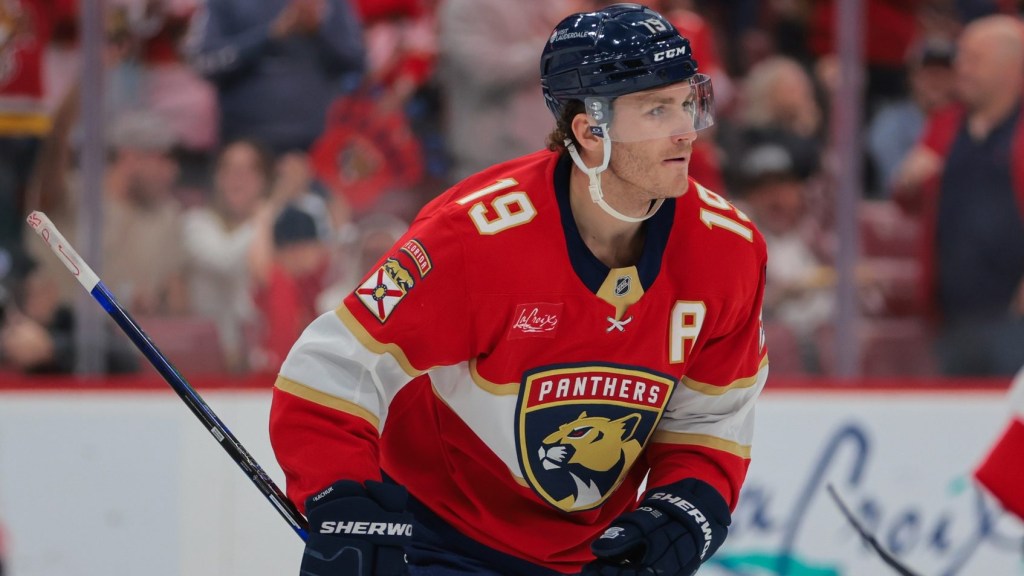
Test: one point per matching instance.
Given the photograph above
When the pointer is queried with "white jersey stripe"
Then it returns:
(330, 359)
(372, 344)
(490, 416)
(728, 416)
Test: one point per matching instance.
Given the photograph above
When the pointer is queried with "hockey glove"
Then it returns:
(675, 529)
(357, 531)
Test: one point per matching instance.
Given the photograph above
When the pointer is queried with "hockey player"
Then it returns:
(1002, 470)
(548, 332)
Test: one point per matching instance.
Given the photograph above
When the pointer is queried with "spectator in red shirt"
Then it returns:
(289, 258)
(890, 27)
(897, 125)
(287, 298)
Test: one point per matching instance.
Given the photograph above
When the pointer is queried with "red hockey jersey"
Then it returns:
(520, 388)
(25, 28)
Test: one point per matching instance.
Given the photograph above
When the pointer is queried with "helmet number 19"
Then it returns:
(654, 25)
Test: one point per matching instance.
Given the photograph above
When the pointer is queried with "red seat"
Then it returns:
(191, 343)
(784, 358)
(890, 287)
(886, 231)
(888, 347)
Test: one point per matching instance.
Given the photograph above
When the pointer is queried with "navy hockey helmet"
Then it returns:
(618, 50)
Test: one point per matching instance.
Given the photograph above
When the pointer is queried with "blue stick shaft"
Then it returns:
(202, 411)
(91, 282)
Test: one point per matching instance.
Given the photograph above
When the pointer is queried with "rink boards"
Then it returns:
(126, 482)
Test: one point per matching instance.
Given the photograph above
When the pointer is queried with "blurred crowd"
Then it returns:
(261, 156)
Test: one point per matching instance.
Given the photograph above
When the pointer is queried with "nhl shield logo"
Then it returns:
(581, 428)
(622, 285)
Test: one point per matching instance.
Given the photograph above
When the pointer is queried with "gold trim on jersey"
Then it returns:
(621, 288)
(511, 389)
(323, 399)
(712, 390)
(734, 448)
(25, 124)
(372, 344)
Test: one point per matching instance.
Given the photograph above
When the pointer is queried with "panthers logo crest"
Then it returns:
(587, 446)
(581, 429)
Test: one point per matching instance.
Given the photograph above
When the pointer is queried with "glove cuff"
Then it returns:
(697, 506)
(372, 513)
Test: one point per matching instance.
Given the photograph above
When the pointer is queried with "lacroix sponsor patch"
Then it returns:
(538, 319)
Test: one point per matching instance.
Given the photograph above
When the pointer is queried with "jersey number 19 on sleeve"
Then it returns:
(713, 219)
(502, 212)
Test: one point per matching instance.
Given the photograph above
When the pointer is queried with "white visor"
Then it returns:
(682, 108)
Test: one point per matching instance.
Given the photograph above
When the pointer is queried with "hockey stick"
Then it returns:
(93, 285)
(888, 558)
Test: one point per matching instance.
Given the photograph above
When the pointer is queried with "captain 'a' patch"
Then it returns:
(581, 427)
(385, 288)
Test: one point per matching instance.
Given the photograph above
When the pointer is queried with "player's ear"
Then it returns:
(581, 125)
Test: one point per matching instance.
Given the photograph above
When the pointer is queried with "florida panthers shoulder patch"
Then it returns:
(385, 288)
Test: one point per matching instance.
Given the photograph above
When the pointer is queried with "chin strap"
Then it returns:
(594, 175)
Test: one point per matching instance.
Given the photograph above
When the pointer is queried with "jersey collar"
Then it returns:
(591, 271)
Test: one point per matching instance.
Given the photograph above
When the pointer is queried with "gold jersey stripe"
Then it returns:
(24, 124)
(372, 344)
(712, 390)
(317, 397)
(511, 389)
(714, 442)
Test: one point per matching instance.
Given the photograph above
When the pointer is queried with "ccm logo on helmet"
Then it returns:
(670, 53)
(369, 528)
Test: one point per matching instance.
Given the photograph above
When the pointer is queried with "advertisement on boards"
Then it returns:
(903, 464)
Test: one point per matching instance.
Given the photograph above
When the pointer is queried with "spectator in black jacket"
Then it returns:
(277, 65)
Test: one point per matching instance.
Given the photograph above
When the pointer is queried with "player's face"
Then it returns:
(653, 169)
(653, 134)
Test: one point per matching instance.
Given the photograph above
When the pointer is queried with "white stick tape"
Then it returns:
(62, 248)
